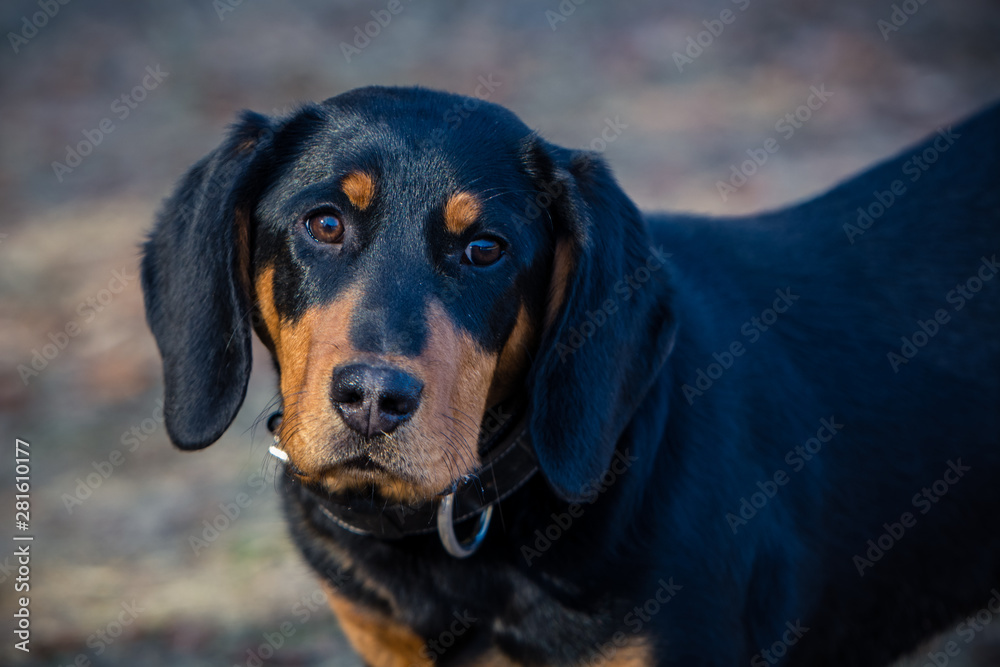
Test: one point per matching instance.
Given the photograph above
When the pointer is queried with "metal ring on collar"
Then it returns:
(446, 528)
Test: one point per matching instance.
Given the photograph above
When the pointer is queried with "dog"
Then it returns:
(523, 423)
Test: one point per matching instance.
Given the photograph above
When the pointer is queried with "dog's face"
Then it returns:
(411, 259)
(401, 290)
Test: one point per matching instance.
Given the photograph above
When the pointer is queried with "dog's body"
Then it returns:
(742, 458)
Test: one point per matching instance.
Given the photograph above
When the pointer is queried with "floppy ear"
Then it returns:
(196, 288)
(609, 327)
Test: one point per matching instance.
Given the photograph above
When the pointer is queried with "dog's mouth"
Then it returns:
(371, 469)
(384, 467)
(363, 469)
(360, 464)
(364, 465)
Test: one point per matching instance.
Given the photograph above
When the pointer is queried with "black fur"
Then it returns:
(686, 388)
(194, 304)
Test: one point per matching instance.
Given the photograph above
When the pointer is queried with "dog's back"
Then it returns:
(845, 354)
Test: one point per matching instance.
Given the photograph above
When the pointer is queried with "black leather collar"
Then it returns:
(508, 463)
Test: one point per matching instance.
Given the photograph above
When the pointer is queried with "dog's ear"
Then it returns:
(196, 286)
(608, 326)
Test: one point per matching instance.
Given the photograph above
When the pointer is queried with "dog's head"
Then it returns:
(410, 258)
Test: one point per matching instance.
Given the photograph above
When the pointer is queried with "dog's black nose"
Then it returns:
(374, 399)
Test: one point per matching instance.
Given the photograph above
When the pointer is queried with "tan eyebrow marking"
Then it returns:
(359, 188)
(461, 211)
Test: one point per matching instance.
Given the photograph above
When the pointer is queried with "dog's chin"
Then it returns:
(367, 476)
(399, 469)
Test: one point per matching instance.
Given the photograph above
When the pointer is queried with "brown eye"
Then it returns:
(325, 227)
(483, 252)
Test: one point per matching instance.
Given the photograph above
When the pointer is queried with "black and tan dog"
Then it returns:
(767, 440)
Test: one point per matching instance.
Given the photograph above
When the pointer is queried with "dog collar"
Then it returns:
(508, 463)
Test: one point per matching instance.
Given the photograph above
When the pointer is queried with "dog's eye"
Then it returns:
(325, 227)
(483, 252)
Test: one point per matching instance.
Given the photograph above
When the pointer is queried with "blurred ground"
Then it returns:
(115, 578)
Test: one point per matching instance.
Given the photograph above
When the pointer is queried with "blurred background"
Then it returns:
(139, 558)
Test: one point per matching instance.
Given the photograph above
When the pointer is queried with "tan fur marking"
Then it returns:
(246, 145)
(264, 294)
(457, 380)
(494, 658)
(359, 188)
(384, 642)
(308, 350)
(562, 269)
(514, 357)
(461, 211)
(379, 640)
(424, 455)
(634, 654)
